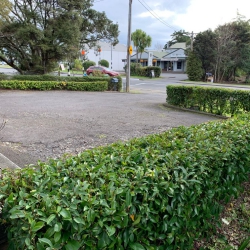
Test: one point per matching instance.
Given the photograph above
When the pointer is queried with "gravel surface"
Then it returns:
(47, 124)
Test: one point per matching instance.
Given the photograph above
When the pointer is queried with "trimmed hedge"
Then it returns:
(51, 78)
(138, 70)
(218, 101)
(156, 192)
(52, 85)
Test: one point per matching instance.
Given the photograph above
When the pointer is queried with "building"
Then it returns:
(114, 55)
(172, 59)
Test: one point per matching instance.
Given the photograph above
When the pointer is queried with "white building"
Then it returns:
(113, 55)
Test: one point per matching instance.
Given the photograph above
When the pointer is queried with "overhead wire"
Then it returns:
(150, 10)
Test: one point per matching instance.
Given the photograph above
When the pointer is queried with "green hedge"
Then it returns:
(137, 70)
(156, 192)
(219, 101)
(50, 78)
(52, 85)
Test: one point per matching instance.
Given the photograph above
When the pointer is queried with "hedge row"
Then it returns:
(218, 101)
(40, 78)
(52, 85)
(157, 192)
(137, 70)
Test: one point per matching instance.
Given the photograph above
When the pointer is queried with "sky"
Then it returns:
(161, 18)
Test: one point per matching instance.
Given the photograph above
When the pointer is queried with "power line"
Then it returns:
(155, 15)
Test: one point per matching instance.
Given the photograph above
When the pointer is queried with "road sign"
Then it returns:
(130, 50)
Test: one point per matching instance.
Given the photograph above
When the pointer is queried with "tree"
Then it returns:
(180, 36)
(5, 7)
(38, 34)
(194, 67)
(205, 49)
(141, 41)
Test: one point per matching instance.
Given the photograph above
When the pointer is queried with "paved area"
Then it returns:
(48, 124)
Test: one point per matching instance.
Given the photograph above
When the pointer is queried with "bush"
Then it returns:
(54, 85)
(13, 83)
(218, 101)
(78, 64)
(104, 63)
(87, 64)
(194, 67)
(157, 192)
(137, 70)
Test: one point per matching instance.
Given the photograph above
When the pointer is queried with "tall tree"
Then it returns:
(38, 34)
(205, 49)
(194, 67)
(141, 41)
(180, 36)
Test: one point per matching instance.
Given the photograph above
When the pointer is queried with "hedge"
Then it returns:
(52, 85)
(157, 192)
(40, 78)
(138, 70)
(219, 101)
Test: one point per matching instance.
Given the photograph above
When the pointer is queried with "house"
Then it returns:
(172, 59)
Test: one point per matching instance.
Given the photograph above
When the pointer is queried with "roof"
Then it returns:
(162, 55)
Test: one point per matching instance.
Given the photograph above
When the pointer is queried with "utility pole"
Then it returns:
(128, 47)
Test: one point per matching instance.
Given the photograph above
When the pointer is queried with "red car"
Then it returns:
(104, 70)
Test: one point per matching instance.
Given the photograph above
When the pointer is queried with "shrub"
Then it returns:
(104, 63)
(156, 192)
(194, 67)
(87, 64)
(78, 64)
(54, 85)
(137, 70)
(97, 73)
(218, 101)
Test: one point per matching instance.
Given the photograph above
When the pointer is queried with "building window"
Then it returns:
(179, 64)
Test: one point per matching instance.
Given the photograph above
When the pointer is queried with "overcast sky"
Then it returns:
(161, 18)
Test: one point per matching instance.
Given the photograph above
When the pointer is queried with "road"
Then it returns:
(158, 85)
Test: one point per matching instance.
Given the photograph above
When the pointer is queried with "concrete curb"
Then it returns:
(6, 163)
(194, 111)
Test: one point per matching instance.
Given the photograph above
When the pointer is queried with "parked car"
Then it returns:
(103, 69)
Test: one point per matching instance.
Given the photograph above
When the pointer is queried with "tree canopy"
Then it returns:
(141, 41)
(36, 35)
(180, 36)
(225, 50)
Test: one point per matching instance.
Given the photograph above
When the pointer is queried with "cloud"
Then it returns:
(199, 16)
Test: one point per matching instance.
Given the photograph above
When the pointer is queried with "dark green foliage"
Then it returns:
(38, 34)
(194, 67)
(18, 80)
(137, 70)
(180, 36)
(157, 70)
(104, 63)
(218, 101)
(157, 192)
(205, 46)
(54, 85)
(87, 64)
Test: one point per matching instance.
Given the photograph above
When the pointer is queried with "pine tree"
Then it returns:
(194, 67)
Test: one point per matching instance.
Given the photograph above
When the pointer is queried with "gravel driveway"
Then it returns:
(42, 125)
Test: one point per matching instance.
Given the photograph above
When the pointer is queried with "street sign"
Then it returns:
(130, 50)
